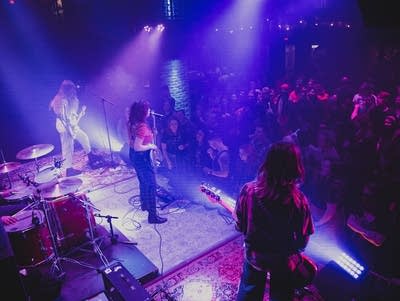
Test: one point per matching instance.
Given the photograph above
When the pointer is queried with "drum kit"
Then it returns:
(57, 218)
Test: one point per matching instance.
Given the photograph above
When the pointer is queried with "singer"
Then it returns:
(141, 144)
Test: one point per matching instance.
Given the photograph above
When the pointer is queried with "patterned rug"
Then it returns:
(212, 277)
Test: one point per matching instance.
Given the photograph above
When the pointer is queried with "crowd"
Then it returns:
(348, 133)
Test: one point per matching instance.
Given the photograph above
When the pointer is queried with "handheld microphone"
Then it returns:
(156, 114)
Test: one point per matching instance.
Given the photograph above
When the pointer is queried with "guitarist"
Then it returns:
(65, 106)
(275, 219)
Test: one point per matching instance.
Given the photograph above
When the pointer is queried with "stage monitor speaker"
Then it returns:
(120, 285)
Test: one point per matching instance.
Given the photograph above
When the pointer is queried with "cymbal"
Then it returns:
(60, 187)
(19, 193)
(34, 151)
(9, 166)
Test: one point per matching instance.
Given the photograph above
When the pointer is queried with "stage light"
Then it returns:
(351, 266)
(160, 27)
(147, 28)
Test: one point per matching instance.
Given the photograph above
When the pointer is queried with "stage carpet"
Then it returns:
(214, 276)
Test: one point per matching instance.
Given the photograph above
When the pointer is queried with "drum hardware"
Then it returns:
(92, 239)
(56, 269)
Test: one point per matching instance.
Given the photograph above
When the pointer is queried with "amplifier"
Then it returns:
(120, 285)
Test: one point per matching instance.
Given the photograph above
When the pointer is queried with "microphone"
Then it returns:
(156, 114)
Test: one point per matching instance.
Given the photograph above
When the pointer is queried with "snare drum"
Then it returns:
(47, 173)
(71, 220)
(31, 242)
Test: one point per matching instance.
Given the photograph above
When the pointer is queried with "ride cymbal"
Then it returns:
(34, 151)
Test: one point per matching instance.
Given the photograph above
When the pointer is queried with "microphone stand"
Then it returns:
(103, 101)
(113, 236)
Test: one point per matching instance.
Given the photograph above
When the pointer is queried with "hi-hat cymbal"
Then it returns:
(19, 193)
(9, 166)
(62, 186)
(34, 151)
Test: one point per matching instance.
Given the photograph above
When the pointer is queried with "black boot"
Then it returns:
(155, 219)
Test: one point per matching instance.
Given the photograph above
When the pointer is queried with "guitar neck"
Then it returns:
(215, 195)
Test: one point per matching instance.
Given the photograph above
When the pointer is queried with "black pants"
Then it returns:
(147, 180)
(252, 283)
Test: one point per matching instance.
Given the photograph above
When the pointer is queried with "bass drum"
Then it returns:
(71, 220)
(30, 238)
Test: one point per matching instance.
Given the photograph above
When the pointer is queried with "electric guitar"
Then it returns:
(305, 270)
(215, 195)
(73, 121)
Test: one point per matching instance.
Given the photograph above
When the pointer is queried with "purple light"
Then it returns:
(147, 28)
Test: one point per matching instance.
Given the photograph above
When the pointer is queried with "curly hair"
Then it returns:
(138, 112)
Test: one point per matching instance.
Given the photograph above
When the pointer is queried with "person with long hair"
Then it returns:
(65, 106)
(142, 145)
(275, 219)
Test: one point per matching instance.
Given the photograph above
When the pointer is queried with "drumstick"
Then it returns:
(21, 211)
